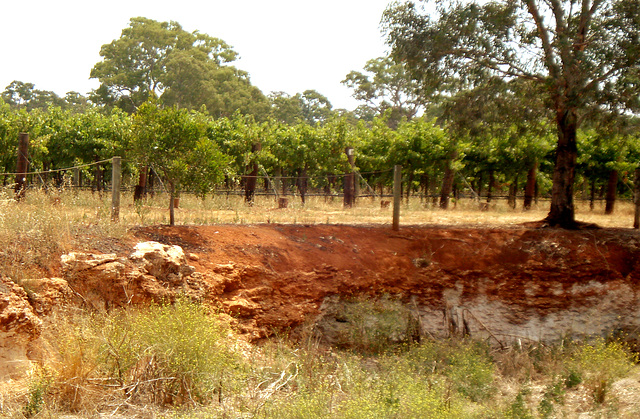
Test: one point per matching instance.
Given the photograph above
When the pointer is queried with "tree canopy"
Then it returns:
(386, 85)
(175, 143)
(21, 95)
(186, 69)
(584, 55)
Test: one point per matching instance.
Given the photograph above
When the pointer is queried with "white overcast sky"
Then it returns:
(285, 45)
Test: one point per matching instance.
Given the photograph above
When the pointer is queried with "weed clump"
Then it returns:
(598, 364)
(177, 355)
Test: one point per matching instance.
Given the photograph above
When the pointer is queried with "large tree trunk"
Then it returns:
(530, 188)
(562, 212)
(612, 186)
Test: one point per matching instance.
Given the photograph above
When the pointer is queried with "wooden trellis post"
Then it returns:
(397, 196)
(636, 199)
(116, 181)
(22, 165)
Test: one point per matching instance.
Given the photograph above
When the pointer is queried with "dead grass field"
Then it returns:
(94, 209)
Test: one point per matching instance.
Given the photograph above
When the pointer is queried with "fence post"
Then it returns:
(397, 195)
(252, 179)
(22, 165)
(349, 180)
(76, 177)
(116, 180)
(636, 199)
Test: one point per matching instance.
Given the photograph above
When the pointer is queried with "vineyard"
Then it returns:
(167, 149)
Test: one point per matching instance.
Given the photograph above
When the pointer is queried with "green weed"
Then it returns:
(598, 364)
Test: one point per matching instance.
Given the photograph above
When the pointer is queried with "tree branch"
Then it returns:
(543, 33)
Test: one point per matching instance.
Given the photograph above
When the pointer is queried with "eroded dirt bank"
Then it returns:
(500, 284)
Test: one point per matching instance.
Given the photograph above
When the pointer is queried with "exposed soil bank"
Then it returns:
(500, 284)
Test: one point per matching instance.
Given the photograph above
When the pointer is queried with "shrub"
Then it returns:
(598, 364)
(182, 354)
(164, 354)
(465, 364)
(395, 389)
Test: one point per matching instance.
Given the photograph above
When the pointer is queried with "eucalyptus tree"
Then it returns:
(310, 107)
(186, 69)
(22, 95)
(316, 108)
(585, 54)
(386, 86)
(285, 108)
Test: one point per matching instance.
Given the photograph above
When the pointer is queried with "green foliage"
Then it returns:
(38, 388)
(167, 354)
(573, 378)
(457, 47)
(554, 394)
(187, 70)
(598, 364)
(397, 391)
(197, 150)
(21, 95)
(518, 408)
(174, 142)
(185, 346)
(387, 87)
(466, 365)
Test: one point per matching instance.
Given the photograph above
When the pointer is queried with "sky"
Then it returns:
(284, 45)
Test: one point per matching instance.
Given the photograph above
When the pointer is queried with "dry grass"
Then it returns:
(320, 210)
(66, 214)
(94, 209)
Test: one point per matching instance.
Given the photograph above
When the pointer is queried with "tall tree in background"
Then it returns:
(310, 107)
(22, 95)
(185, 69)
(584, 53)
(386, 86)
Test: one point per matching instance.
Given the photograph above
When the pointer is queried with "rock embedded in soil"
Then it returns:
(19, 326)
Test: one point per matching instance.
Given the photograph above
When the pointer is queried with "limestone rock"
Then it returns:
(18, 326)
(78, 261)
(164, 262)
